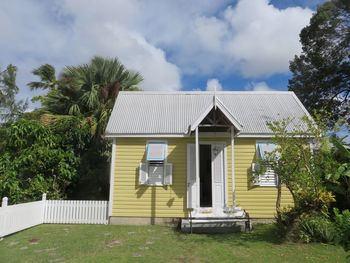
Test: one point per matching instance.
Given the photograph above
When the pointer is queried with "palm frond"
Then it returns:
(47, 75)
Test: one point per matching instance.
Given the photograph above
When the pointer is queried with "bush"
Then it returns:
(317, 228)
(285, 222)
(342, 225)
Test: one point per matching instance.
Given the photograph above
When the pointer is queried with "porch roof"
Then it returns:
(177, 113)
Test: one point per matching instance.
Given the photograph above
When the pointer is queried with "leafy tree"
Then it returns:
(9, 108)
(37, 158)
(303, 160)
(321, 74)
(302, 170)
(87, 91)
(339, 181)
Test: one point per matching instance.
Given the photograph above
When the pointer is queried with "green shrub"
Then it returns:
(285, 223)
(317, 228)
(342, 225)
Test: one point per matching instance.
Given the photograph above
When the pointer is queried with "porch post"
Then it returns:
(233, 166)
(197, 167)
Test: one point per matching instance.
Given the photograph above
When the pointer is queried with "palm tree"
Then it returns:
(47, 75)
(87, 90)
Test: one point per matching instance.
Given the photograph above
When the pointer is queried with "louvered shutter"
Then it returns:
(168, 175)
(143, 170)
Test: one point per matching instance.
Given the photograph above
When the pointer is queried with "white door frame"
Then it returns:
(225, 177)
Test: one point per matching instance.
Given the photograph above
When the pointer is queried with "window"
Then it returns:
(156, 170)
(269, 177)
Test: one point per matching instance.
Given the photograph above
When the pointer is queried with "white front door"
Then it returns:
(218, 178)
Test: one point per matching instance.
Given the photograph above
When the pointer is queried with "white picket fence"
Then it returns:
(14, 218)
(75, 212)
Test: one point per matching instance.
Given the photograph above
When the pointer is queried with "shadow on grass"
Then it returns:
(260, 233)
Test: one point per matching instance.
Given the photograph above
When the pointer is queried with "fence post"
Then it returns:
(44, 207)
(4, 202)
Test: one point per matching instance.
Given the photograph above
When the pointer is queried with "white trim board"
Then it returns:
(111, 179)
(201, 134)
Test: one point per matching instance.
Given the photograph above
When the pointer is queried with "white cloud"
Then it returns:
(163, 40)
(258, 86)
(71, 32)
(265, 38)
(253, 38)
(213, 85)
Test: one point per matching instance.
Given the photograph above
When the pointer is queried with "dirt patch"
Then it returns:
(23, 248)
(137, 255)
(34, 241)
(45, 250)
(56, 260)
(144, 248)
(113, 243)
(13, 243)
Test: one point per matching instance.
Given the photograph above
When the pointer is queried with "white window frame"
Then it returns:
(163, 163)
(263, 179)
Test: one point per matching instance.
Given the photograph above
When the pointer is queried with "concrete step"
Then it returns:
(215, 225)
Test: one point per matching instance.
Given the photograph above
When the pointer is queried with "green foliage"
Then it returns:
(87, 90)
(342, 224)
(10, 109)
(73, 134)
(94, 171)
(339, 180)
(47, 75)
(317, 228)
(321, 73)
(36, 159)
(301, 169)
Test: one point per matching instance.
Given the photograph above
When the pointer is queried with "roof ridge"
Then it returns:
(203, 92)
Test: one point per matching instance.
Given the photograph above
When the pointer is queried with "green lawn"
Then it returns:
(110, 243)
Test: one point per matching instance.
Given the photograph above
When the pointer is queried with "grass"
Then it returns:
(111, 243)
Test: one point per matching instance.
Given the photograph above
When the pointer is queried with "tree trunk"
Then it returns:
(278, 200)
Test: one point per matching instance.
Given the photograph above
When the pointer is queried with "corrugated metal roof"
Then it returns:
(141, 112)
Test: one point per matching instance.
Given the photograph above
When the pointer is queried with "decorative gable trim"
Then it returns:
(217, 103)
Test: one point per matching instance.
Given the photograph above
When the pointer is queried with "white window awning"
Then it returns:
(263, 148)
(156, 151)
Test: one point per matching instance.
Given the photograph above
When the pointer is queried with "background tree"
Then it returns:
(87, 91)
(47, 75)
(302, 170)
(10, 109)
(37, 158)
(339, 181)
(321, 74)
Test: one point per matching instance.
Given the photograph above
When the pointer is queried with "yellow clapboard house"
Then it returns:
(181, 154)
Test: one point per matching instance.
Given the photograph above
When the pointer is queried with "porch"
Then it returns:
(211, 200)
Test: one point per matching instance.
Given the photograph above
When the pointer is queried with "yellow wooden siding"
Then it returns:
(258, 201)
(132, 199)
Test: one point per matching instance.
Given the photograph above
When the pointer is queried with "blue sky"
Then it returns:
(175, 45)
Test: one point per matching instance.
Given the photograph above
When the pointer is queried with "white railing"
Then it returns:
(15, 218)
